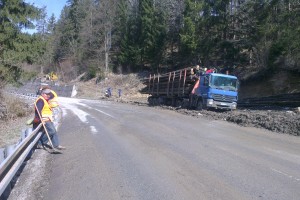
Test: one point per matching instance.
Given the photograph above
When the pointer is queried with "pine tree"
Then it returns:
(129, 49)
(189, 32)
(16, 47)
(42, 23)
(152, 32)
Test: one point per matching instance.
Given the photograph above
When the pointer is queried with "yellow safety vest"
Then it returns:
(46, 113)
(54, 101)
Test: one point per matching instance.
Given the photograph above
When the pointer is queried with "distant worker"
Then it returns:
(53, 99)
(213, 70)
(197, 70)
(43, 114)
(195, 73)
(109, 92)
(119, 92)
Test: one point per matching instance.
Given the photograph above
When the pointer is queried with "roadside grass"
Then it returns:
(13, 115)
(15, 107)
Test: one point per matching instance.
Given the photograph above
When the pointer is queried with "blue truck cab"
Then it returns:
(218, 91)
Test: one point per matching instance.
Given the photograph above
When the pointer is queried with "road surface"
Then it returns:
(121, 151)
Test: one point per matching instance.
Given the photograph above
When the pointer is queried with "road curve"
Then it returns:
(121, 151)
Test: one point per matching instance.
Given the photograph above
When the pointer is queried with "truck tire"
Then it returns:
(150, 100)
(192, 102)
(155, 101)
(180, 103)
(199, 104)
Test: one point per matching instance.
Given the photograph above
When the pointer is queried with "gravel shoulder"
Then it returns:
(33, 178)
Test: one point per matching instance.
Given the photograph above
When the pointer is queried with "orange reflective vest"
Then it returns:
(46, 112)
(53, 102)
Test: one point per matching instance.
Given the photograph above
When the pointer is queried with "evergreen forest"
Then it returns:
(122, 36)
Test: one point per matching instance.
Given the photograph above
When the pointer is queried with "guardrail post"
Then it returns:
(9, 150)
(23, 134)
(27, 132)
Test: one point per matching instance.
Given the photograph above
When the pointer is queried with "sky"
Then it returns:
(52, 6)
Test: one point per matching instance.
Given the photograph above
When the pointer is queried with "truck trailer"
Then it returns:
(201, 90)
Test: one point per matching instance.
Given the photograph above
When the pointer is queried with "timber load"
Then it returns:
(177, 83)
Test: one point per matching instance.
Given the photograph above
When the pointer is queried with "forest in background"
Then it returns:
(122, 36)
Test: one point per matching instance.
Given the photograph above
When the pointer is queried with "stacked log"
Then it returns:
(176, 83)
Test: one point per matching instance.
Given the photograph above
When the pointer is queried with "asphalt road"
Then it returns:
(121, 151)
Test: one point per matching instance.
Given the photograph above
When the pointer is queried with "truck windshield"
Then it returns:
(224, 83)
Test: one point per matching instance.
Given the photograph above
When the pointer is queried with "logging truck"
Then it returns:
(201, 90)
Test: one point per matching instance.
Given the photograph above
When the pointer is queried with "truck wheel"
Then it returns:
(155, 101)
(199, 104)
(193, 102)
(179, 103)
(185, 103)
(150, 100)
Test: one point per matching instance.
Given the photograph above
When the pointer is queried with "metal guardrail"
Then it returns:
(32, 87)
(15, 157)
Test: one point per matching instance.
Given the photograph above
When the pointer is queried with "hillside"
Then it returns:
(129, 84)
(265, 83)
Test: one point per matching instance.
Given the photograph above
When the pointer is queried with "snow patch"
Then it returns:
(93, 129)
